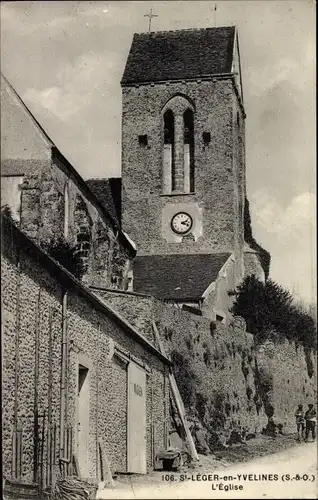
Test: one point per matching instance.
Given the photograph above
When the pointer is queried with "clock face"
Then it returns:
(181, 223)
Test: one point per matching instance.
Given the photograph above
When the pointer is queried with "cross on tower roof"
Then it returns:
(150, 15)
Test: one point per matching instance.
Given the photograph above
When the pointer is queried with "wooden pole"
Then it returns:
(36, 383)
(17, 342)
(107, 472)
(63, 375)
(97, 401)
(14, 454)
(42, 451)
(49, 414)
(180, 408)
(177, 399)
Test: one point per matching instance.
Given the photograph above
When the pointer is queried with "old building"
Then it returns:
(51, 201)
(183, 165)
(78, 382)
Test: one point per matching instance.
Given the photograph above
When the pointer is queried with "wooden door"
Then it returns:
(136, 415)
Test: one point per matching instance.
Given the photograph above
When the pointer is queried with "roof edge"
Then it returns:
(28, 112)
(71, 282)
(145, 33)
(217, 76)
(120, 292)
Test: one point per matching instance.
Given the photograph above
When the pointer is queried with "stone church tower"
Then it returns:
(183, 160)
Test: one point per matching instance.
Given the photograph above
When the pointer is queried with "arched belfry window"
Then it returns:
(188, 127)
(178, 146)
(169, 127)
(168, 151)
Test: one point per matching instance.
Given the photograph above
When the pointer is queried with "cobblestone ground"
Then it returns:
(289, 473)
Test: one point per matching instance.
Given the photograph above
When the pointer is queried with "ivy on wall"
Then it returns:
(66, 255)
(265, 257)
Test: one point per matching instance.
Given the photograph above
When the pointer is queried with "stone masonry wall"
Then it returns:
(221, 372)
(217, 185)
(43, 211)
(31, 352)
(290, 376)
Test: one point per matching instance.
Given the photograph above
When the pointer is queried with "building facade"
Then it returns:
(80, 385)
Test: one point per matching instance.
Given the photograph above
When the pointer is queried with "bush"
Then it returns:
(218, 417)
(268, 307)
(185, 378)
(200, 405)
(249, 392)
(265, 257)
(7, 213)
(66, 255)
(207, 356)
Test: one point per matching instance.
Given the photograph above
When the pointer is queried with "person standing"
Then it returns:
(300, 422)
(310, 417)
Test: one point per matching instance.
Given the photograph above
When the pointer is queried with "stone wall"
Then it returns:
(219, 167)
(32, 291)
(288, 375)
(42, 209)
(222, 374)
(252, 265)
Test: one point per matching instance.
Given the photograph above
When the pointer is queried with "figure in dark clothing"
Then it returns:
(300, 422)
(310, 417)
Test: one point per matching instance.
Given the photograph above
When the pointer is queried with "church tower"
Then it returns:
(183, 156)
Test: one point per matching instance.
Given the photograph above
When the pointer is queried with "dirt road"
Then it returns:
(290, 473)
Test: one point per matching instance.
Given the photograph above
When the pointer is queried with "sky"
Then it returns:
(66, 60)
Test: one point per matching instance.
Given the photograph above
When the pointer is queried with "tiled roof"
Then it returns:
(108, 194)
(182, 54)
(177, 276)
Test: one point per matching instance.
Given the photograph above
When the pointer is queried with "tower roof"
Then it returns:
(179, 55)
(177, 277)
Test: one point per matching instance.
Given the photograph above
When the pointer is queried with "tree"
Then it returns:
(268, 307)
(265, 257)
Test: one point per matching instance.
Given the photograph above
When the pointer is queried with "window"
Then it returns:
(178, 146)
(206, 136)
(66, 210)
(143, 140)
(168, 127)
(188, 151)
(168, 152)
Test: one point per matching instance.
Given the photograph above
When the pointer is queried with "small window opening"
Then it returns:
(206, 137)
(82, 374)
(143, 140)
(238, 119)
(218, 317)
(113, 280)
